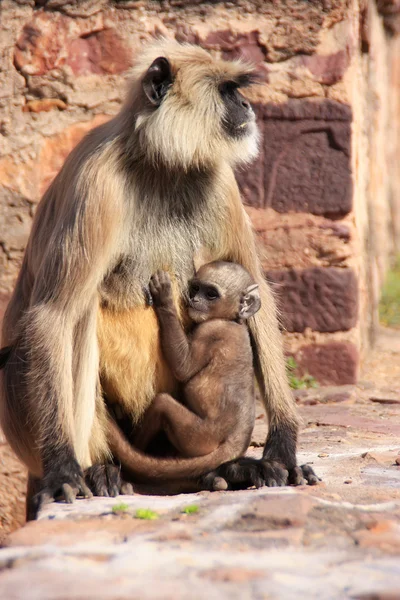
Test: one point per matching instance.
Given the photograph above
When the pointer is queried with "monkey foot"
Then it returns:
(303, 475)
(105, 480)
(65, 485)
(245, 472)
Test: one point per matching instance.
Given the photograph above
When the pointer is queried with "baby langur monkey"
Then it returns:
(215, 365)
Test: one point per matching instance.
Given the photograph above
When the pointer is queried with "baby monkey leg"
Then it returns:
(186, 431)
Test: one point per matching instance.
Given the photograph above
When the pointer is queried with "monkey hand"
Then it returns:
(161, 289)
(65, 483)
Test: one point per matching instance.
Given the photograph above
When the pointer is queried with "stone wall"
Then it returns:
(325, 211)
(319, 195)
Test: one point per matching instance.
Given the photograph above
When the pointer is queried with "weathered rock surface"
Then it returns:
(335, 541)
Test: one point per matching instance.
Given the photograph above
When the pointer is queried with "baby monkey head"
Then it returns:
(223, 290)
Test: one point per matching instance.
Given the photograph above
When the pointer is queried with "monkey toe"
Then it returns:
(96, 479)
(60, 487)
(220, 484)
(296, 477)
(113, 474)
(303, 475)
(309, 475)
(69, 493)
(105, 481)
(274, 474)
(127, 489)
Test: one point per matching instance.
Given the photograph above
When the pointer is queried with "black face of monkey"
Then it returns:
(238, 112)
(194, 112)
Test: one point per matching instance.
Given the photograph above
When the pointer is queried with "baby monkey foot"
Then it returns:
(106, 481)
(160, 289)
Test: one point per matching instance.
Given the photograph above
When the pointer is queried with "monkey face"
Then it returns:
(204, 300)
(222, 290)
(192, 113)
(239, 118)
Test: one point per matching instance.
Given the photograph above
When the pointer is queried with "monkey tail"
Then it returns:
(150, 468)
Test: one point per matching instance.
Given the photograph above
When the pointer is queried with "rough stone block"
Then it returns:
(301, 240)
(334, 363)
(304, 165)
(51, 40)
(324, 300)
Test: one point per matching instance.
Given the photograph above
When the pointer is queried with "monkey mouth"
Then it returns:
(243, 125)
(195, 309)
(193, 306)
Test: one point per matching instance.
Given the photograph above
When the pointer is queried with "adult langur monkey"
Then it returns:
(151, 189)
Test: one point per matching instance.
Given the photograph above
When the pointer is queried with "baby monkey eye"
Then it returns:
(212, 293)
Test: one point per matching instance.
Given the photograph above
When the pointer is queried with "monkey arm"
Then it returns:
(50, 381)
(181, 355)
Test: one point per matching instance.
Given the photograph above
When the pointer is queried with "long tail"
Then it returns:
(150, 468)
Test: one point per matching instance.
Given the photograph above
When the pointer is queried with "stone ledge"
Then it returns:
(336, 540)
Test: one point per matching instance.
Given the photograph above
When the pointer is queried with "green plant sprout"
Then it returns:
(146, 514)
(120, 508)
(299, 383)
(191, 509)
(389, 306)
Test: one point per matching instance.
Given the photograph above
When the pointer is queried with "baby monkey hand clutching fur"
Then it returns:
(215, 365)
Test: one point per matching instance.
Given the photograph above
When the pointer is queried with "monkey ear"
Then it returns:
(250, 303)
(157, 80)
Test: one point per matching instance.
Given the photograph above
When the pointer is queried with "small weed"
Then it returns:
(146, 514)
(389, 306)
(299, 383)
(191, 509)
(120, 508)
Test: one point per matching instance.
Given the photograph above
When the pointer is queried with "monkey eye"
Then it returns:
(212, 293)
(227, 88)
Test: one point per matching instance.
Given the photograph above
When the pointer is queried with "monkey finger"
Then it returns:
(153, 290)
(127, 489)
(273, 471)
(147, 295)
(296, 477)
(164, 278)
(257, 481)
(309, 474)
(154, 283)
(220, 484)
(83, 490)
(96, 480)
(68, 492)
(271, 483)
